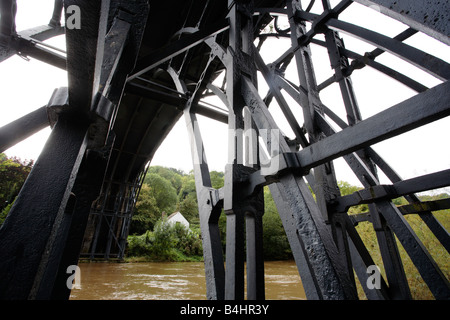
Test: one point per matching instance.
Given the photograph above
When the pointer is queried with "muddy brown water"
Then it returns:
(172, 280)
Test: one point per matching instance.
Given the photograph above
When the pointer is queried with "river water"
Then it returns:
(172, 280)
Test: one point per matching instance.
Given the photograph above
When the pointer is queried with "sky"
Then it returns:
(28, 85)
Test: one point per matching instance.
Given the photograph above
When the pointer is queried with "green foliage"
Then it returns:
(4, 212)
(172, 175)
(163, 192)
(189, 208)
(217, 179)
(13, 173)
(167, 242)
(146, 212)
(167, 190)
(187, 187)
(275, 242)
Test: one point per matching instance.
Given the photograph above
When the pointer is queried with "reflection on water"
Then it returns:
(172, 280)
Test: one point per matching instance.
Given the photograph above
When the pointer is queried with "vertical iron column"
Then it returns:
(241, 65)
(209, 208)
(254, 216)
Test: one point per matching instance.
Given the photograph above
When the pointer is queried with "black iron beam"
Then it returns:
(270, 79)
(211, 113)
(432, 223)
(421, 258)
(240, 36)
(361, 260)
(319, 22)
(30, 234)
(154, 59)
(426, 16)
(177, 101)
(425, 264)
(31, 49)
(425, 206)
(405, 187)
(238, 209)
(210, 201)
(417, 111)
(210, 207)
(36, 255)
(407, 115)
(315, 251)
(121, 48)
(400, 77)
(23, 128)
(85, 47)
(362, 60)
(420, 59)
(40, 33)
(387, 219)
(412, 208)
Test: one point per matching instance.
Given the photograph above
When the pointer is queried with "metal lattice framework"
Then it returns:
(136, 67)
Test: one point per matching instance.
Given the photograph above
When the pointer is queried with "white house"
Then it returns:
(177, 217)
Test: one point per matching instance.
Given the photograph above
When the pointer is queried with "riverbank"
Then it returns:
(176, 257)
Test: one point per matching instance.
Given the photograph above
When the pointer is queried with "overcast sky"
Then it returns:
(28, 85)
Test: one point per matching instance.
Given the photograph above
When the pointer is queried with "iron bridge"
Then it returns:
(135, 68)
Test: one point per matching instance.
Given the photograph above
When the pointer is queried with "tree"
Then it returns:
(172, 175)
(13, 173)
(189, 208)
(217, 179)
(275, 242)
(163, 192)
(187, 199)
(146, 212)
(187, 187)
(157, 195)
(346, 188)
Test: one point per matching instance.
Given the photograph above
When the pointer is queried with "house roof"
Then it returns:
(173, 214)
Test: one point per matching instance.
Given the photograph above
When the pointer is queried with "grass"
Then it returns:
(419, 289)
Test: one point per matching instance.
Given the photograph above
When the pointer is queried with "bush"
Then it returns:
(140, 245)
(167, 242)
(4, 213)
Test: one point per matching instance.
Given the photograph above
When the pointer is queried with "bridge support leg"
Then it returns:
(33, 235)
(244, 216)
(210, 206)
